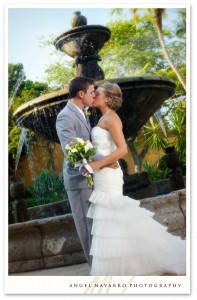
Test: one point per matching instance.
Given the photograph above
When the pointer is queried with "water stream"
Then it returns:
(20, 146)
(16, 87)
(159, 119)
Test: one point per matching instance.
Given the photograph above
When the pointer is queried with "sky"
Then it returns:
(26, 25)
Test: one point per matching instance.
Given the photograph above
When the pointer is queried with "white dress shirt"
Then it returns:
(79, 109)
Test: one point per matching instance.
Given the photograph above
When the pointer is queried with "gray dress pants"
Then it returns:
(79, 202)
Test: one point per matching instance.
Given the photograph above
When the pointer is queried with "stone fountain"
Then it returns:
(54, 239)
(142, 95)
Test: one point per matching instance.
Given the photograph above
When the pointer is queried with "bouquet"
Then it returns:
(80, 153)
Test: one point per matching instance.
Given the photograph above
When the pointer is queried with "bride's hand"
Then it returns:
(84, 171)
(94, 165)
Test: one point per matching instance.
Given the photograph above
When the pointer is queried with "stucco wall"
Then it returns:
(39, 158)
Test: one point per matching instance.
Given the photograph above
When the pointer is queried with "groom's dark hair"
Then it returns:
(79, 84)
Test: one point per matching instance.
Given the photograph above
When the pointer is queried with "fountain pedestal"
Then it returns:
(17, 192)
(83, 43)
(88, 67)
(20, 211)
(176, 176)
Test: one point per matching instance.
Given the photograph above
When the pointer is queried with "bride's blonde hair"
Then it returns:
(113, 91)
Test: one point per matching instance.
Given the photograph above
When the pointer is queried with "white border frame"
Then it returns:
(59, 284)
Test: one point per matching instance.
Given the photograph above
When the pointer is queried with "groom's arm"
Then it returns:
(65, 130)
(98, 156)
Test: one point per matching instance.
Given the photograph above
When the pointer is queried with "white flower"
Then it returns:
(88, 146)
(68, 147)
(80, 140)
(78, 165)
(80, 154)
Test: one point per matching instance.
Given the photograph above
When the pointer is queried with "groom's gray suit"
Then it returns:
(69, 125)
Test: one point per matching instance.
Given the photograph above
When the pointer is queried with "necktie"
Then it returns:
(87, 119)
(84, 111)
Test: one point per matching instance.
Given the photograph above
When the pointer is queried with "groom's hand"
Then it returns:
(113, 165)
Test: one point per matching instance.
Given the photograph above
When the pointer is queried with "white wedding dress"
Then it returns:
(126, 240)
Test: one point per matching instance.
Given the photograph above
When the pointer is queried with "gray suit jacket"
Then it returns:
(69, 125)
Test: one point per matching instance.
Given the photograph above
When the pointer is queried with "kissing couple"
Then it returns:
(118, 237)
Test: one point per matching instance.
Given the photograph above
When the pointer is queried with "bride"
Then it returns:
(126, 240)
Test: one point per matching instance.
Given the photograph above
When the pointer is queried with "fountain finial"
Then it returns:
(78, 19)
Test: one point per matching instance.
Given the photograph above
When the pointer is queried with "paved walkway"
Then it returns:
(74, 270)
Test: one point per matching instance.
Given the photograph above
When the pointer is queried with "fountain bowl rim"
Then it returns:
(79, 30)
(42, 101)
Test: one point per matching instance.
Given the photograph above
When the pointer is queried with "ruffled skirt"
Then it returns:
(126, 240)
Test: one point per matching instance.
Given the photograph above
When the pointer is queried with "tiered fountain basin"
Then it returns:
(142, 96)
(83, 40)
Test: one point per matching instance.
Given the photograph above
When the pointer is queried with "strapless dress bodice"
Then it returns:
(102, 140)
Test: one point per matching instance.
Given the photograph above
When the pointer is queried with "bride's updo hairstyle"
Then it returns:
(113, 91)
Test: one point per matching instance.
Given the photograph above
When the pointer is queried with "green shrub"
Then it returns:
(47, 188)
(154, 172)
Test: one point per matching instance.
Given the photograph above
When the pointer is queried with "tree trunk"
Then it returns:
(138, 158)
(158, 22)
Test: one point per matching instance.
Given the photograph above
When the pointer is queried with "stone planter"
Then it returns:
(53, 242)
(44, 243)
(170, 211)
(49, 210)
(176, 176)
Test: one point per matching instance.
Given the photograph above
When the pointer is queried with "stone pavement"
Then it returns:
(74, 270)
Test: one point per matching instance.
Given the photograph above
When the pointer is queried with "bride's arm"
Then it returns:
(114, 126)
(99, 156)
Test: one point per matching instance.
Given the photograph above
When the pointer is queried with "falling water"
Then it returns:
(30, 160)
(16, 87)
(159, 119)
(20, 146)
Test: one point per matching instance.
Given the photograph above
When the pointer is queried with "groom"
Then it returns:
(71, 123)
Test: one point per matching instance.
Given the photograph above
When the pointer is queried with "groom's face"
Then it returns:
(89, 96)
(100, 98)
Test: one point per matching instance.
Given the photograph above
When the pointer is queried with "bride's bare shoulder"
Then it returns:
(115, 117)
(114, 120)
